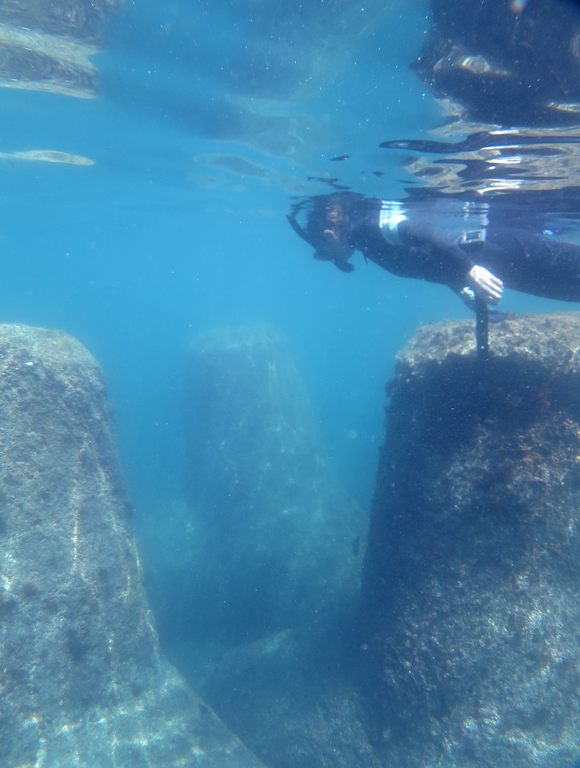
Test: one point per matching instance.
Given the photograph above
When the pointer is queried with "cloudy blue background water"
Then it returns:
(210, 118)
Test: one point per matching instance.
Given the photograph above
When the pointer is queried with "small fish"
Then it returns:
(339, 158)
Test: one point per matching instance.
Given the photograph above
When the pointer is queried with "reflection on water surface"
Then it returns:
(46, 45)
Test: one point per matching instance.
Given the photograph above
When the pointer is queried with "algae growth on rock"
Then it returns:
(82, 681)
(470, 595)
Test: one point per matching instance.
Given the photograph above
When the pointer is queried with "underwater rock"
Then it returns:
(471, 616)
(82, 680)
(271, 536)
(291, 697)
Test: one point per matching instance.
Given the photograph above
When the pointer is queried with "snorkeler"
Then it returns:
(476, 261)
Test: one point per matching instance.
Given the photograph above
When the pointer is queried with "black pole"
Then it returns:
(481, 329)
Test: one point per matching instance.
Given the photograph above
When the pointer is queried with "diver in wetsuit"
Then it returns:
(407, 240)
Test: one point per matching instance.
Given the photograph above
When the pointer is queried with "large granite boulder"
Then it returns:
(82, 681)
(270, 539)
(471, 609)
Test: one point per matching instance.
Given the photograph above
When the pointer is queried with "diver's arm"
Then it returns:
(447, 258)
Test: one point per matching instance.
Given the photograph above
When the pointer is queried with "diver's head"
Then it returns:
(327, 228)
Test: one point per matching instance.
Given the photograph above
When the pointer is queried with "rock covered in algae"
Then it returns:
(273, 539)
(472, 577)
(82, 681)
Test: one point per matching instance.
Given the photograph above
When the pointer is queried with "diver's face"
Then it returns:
(335, 247)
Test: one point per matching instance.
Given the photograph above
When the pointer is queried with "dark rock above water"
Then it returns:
(471, 617)
(82, 681)
(508, 62)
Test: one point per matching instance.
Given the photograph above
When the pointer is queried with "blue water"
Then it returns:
(155, 243)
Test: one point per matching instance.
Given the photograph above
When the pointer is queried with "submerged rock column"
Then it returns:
(277, 535)
(471, 589)
(82, 681)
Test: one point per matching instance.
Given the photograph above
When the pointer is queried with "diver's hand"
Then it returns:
(486, 285)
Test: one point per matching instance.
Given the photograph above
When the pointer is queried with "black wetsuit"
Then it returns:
(525, 260)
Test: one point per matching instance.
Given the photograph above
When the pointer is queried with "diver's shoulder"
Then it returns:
(392, 213)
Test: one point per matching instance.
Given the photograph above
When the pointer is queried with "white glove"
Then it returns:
(486, 285)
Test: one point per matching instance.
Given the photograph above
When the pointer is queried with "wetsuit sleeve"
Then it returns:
(436, 256)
